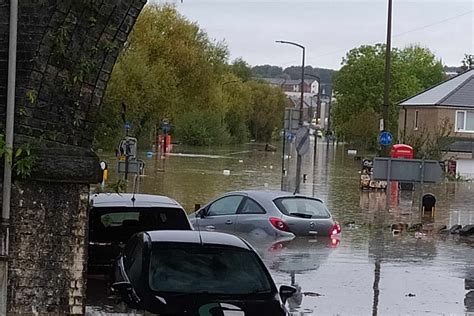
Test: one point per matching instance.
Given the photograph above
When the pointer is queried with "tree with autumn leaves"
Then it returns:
(170, 68)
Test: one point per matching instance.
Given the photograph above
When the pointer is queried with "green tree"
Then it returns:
(241, 69)
(168, 66)
(266, 110)
(359, 87)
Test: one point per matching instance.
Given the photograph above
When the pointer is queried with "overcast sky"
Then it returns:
(329, 28)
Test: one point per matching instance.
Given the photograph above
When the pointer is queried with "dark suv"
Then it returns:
(196, 273)
(114, 218)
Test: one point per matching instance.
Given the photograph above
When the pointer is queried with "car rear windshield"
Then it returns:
(302, 207)
(120, 223)
(193, 269)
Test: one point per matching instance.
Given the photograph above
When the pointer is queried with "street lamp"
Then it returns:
(300, 121)
(302, 77)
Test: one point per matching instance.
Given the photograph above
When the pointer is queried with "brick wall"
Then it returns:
(48, 250)
(429, 119)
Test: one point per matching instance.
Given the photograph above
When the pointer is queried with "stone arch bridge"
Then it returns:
(65, 55)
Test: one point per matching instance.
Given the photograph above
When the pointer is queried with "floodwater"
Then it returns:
(368, 269)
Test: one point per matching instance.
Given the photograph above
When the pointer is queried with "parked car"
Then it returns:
(267, 213)
(114, 218)
(196, 273)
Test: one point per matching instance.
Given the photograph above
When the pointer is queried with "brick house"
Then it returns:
(452, 101)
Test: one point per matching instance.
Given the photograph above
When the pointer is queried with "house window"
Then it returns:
(416, 120)
(465, 121)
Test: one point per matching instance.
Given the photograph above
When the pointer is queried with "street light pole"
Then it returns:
(386, 95)
(300, 121)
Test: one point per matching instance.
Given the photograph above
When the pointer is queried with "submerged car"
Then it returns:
(114, 218)
(267, 213)
(196, 273)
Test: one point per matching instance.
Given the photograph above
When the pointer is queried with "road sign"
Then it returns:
(407, 170)
(385, 138)
(292, 117)
(128, 125)
(134, 166)
(290, 136)
(128, 147)
(302, 140)
(165, 126)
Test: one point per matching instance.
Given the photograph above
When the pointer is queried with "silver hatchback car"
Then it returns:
(266, 213)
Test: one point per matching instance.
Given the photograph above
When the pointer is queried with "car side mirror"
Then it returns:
(286, 292)
(201, 213)
(123, 287)
(197, 207)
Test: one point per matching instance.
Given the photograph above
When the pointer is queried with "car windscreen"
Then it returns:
(193, 269)
(120, 223)
(302, 207)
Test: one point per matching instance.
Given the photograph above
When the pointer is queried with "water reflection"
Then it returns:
(369, 270)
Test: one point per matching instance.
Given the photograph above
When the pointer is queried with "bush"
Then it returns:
(201, 128)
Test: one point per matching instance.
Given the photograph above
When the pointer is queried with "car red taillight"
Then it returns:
(279, 224)
(335, 229)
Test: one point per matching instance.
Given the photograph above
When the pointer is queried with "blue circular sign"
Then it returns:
(385, 138)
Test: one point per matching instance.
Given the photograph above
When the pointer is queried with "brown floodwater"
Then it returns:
(368, 269)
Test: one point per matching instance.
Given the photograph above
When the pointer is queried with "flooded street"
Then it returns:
(368, 270)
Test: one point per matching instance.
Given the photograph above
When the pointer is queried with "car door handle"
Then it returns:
(210, 227)
(229, 222)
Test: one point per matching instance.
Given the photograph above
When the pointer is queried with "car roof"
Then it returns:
(197, 237)
(269, 194)
(126, 200)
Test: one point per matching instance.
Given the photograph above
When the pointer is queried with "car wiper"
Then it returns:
(256, 293)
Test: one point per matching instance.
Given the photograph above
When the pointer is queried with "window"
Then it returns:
(115, 224)
(134, 260)
(207, 269)
(416, 120)
(226, 206)
(465, 121)
(302, 207)
(251, 207)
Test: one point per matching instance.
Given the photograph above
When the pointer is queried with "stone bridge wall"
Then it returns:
(66, 53)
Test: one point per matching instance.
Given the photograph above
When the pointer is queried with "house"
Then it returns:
(451, 101)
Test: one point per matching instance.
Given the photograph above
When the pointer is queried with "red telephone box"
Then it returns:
(401, 151)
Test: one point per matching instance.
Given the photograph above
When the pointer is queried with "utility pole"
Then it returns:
(386, 96)
(300, 121)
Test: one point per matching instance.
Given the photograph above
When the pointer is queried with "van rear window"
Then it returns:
(120, 223)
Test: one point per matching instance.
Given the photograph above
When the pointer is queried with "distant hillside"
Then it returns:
(294, 72)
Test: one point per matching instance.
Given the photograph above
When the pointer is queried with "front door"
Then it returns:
(221, 215)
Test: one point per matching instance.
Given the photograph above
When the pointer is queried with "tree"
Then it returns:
(467, 62)
(169, 68)
(359, 86)
(241, 69)
(267, 71)
(266, 111)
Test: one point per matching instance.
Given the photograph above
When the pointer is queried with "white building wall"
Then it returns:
(465, 168)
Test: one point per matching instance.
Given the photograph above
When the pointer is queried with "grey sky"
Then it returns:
(329, 28)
